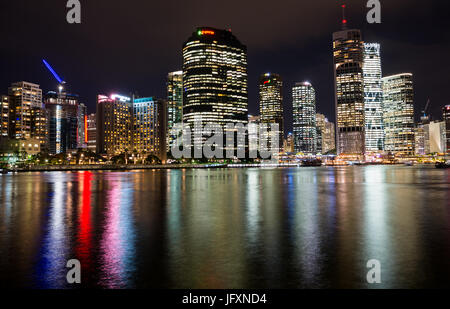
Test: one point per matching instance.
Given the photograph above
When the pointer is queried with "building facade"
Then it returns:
(82, 126)
(23, 97)
(62, 111)
(446, 115)
(348, 55)
(398, 114)
(373, 98)
(114, 124)
(4, 116)
(326, 141)
(304, 118)
(92, 132)
(271, 102)
(145, 125)
(214, 79)
(174, 102)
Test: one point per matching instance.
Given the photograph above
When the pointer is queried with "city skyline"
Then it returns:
(310, 61)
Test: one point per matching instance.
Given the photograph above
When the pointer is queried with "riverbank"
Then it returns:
(97, 167)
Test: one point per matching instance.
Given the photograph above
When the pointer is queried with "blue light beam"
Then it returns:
(52, 71)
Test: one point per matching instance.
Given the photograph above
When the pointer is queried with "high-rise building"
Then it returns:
(348, 51)
(62, 110)
(373, 98)
(214, 78)
(304, 118)
(92, 132)
(82, 126)
(398, 114)
(145, 125)
(326, 142)
(40, 127)
(271, 102)
(446, 114)
(174, 102)
(23, 97)
(4, 116)
(114, 124)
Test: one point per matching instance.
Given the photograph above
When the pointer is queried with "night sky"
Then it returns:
(130, 46)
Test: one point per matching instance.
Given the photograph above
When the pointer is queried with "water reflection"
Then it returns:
(227, 228)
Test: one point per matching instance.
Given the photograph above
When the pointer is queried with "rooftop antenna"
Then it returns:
(344, 19)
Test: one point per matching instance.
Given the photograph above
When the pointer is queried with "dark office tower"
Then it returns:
(214, 78)
(304, 118)
(271, 102)
(446, 114)
(174, 102)
(62, 110)
(348, 54)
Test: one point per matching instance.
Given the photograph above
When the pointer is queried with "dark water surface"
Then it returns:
(227, 228)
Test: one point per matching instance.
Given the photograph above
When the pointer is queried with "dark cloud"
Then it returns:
(131, 45)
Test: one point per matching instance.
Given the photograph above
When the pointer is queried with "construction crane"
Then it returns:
(425, 117)
(55, 75)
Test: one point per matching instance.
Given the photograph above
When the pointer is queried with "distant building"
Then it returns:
(23, 97)
(127, 125)
(421, 141)
(271, 102)
(326, 136)
(161, 130)
(92, 132)
(174, 102)
(62, 110)
(446, 114)
(348, 55)
(253, 134)
(82, 126)
(4, 116)
(373, 98)
(288, 145)
(31, 146)
(304, 118)
(215, 79)
(114, 124)
(398, 114)
(437, 137)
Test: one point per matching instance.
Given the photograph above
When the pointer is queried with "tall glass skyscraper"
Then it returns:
(398, 114)
(214, 78)
(62, 109)
(174, 102)
(373, 98)
(271, 102)
(304, 118)
(348, 52)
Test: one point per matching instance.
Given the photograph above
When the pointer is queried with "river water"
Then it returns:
(227, 228)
